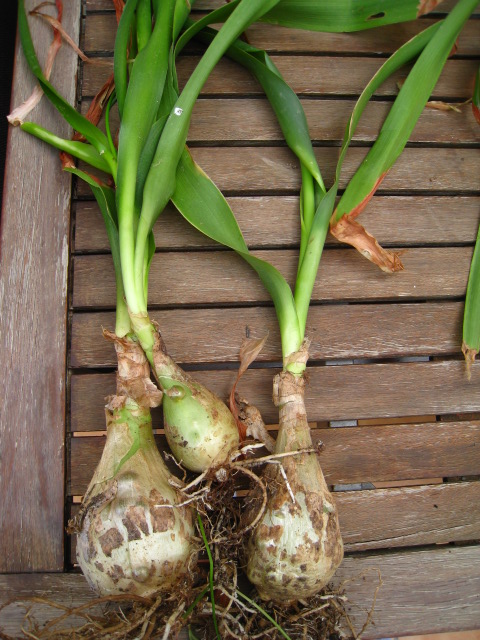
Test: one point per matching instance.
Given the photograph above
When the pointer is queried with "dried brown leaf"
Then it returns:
(425, 6)
(18, 115)
(57, 25)
(442, 106)
(351, 232)
(119, 6)
(249, 351)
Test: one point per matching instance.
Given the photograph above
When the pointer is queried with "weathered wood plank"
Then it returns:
(33, 299)
(267, 170)
(351, 454)
(100, 32)
(334, 392)
(393, 220)
(224, 121)
(339, 331)
(192, 278)
(419, 591)
(307, 75)
(409, 516)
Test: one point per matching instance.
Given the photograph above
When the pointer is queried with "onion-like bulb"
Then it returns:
(133, 538)
(296, 546)
(133, 535)
(200, 429)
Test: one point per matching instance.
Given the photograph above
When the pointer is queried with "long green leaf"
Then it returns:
(80, 150)
(160, 182)
(120, 63)
(105, 198)
(471, 316)
(75, 119)
(308, 265)
(399, 125)
(142, 101)
(344, 15)
(201, 203)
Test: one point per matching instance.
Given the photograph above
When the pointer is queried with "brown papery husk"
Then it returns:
(296, 546)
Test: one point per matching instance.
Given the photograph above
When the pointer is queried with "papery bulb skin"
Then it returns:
(296, 547)
(133, 539)
(200, 429)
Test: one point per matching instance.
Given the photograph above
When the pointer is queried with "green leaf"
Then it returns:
(405, 111)
(203, 205)
(471, 317)
(309, 262)
(80, 150)
(120, 64)
(342, 15)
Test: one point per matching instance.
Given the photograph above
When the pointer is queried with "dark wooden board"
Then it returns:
(307, 75)
(343, 392)
(351, 454)
(393, 220)
(421, 588)
(225, 121)
(337, 331)
(33, 338)
(224, 278)
(100, 35)
(268, 170)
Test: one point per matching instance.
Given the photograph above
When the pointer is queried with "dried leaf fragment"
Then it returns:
(249, 351)
(425, 6)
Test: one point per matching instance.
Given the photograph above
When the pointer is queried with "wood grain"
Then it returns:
(351, 454)
(268, 170)
(342, 392)
(193, 278)
(393, 220)
(419, 591)
(387, 518)
(33, 298)
(225, 121)
(100, 32)
(337, 331)
(307, 75)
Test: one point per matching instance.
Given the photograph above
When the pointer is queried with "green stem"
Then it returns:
(307, 207)
(210, 574)
(264, 614)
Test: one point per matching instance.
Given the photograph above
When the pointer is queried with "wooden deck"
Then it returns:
(387, 393)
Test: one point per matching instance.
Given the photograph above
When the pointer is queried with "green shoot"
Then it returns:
(210, 574)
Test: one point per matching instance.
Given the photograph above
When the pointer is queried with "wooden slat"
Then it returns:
(393, 220)
(33, 298)
(352, 454)
(403, 517)
(419, 592)
(222, 121)
(334, 392)
(307, 75)
(409, 516)
(193, 278)
(100, 32)
(266, 170)
(340, 331)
